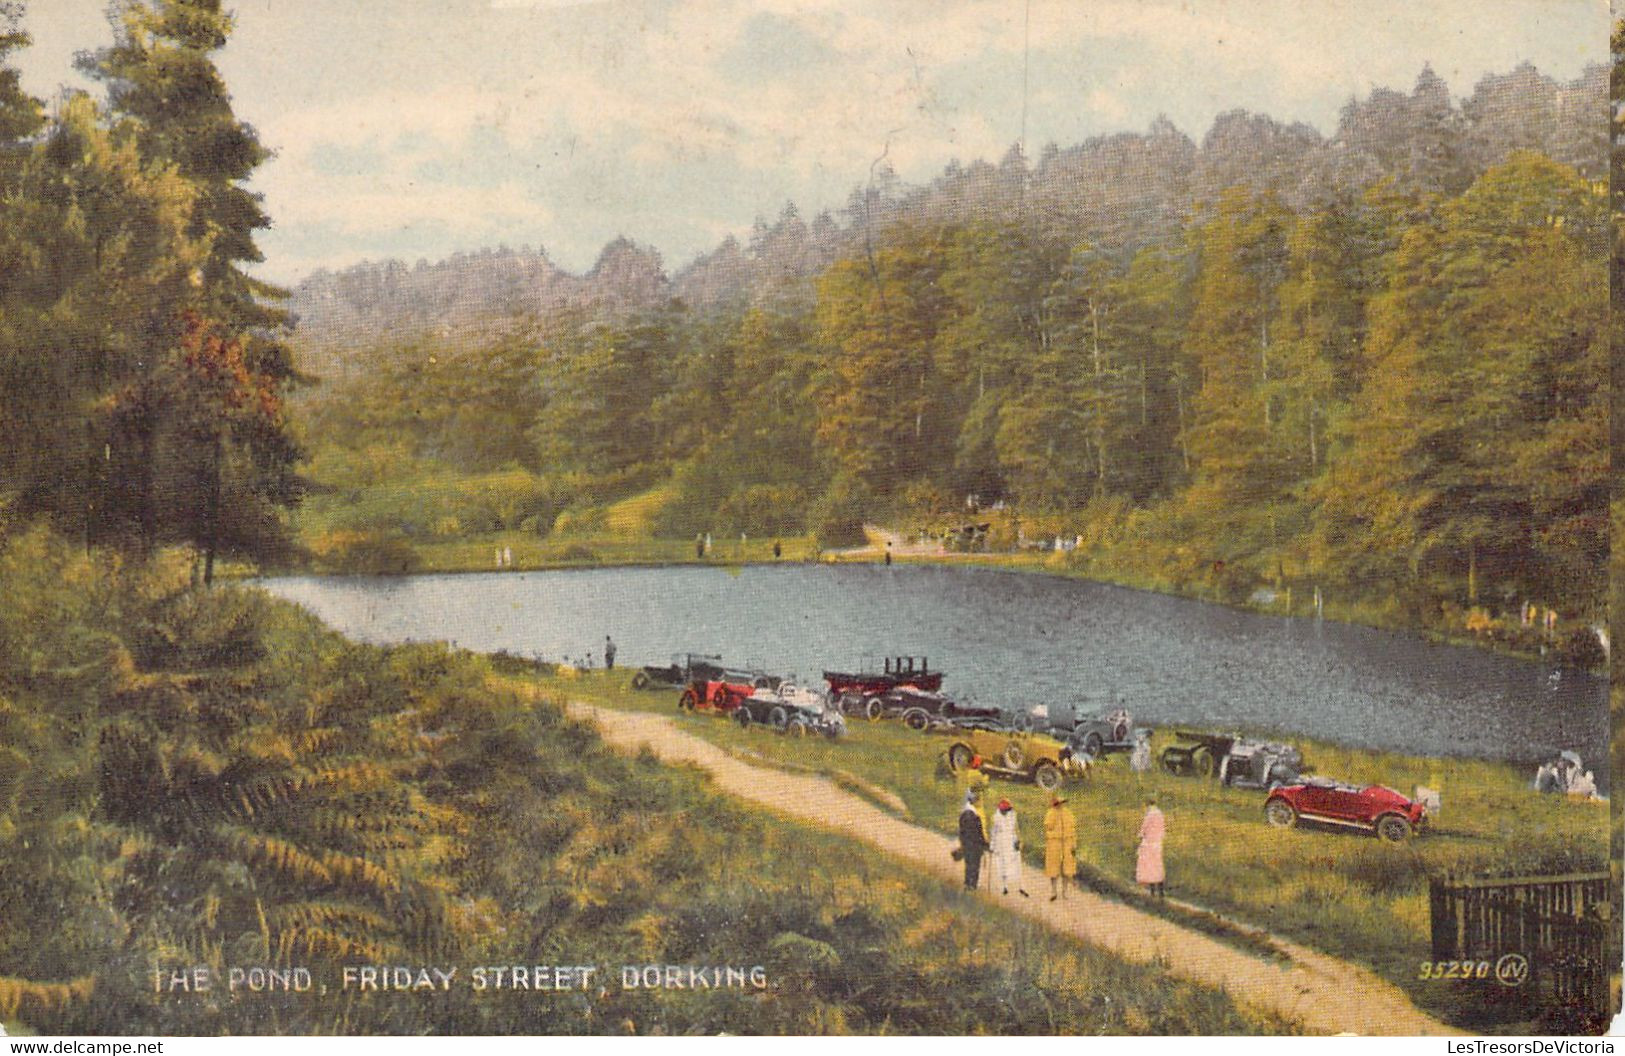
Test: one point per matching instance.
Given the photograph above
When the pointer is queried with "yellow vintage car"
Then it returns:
(1018, 754)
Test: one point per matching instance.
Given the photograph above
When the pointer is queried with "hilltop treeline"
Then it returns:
(1389, 379)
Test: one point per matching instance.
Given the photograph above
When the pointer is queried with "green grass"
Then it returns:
(531, 552)
(1343, 893)
(633, 517)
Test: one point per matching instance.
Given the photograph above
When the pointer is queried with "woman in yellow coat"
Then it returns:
(1060, 847)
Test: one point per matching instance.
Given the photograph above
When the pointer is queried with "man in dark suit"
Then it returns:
(972, 841)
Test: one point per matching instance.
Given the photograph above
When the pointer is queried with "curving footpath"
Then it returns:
(1323, 994)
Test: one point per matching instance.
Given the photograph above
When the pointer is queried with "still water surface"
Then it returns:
(1007, 638)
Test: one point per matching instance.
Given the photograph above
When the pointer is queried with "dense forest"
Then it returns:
(196, 777)
(1374, 364)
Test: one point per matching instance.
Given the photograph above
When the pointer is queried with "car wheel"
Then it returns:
(1048, 776)
(833, 732)
(916, 719)
(742, 716)
(1023, 721)
(795, 728)
(1279, 813)
(1014, 756)
(640, 680)
(688, 701)
(778, 718)
(873, 709)
(1174, 761)
(1202, 762)
(1093, 744)
(1393, 828)
(959, 757)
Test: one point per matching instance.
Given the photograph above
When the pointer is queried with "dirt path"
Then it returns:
(1324, 994)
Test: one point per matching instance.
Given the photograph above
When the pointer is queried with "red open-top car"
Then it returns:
(1372, 808)
(722, 693)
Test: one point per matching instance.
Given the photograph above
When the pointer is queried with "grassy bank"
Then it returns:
(1342, 893)
(210, 778)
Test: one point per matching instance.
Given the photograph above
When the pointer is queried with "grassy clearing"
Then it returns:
(1342, 893)
(633, 517)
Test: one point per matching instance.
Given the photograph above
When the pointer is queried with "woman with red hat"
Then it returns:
(1005, 842)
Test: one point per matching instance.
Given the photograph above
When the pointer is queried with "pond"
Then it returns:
(1008, 638)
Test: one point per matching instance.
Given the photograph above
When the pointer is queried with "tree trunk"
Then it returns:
(1264, 365)
(212, 542)
(1184, 444)
(1100, 398)
(1314, 451)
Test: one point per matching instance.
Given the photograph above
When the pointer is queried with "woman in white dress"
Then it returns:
(1005, 847)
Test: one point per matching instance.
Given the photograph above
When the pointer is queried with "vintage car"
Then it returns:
(1018, 754)
(1372, 808)
(792, 710)
(1109, 731)
(719, 693)
(1235, 760)
(895, 671)
(683, 669)
(918, 708)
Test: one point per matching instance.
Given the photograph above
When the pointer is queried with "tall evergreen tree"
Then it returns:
(161, 74)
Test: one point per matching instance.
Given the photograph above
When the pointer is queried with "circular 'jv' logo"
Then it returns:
(1512, 969)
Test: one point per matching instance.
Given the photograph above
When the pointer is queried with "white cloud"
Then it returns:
(660, 114)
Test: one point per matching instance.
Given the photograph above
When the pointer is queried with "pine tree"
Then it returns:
(160, 74)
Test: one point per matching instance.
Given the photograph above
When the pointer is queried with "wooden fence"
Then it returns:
(1564, 928)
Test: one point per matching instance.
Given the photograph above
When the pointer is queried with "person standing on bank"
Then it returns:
(1060, 847)
(1148, 869)
(1005, 841)
(609, 654)
(972, 841)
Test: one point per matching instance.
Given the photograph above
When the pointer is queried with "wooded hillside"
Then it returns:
(1373, 362)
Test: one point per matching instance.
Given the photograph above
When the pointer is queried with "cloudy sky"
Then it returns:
(415, 128)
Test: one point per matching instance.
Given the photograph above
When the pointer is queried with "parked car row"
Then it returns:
(1033, 744)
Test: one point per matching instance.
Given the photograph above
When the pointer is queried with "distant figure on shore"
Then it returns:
(1148, 868)
(888, 551)
(777, 551)
(707, 543)
(699, 546)
(507, 557)
(609, 654)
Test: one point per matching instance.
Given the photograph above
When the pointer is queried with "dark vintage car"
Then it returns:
(790, 710)
(894, 671)
(1100, 734)
(683, 669)
(1370, 808)
(918, 708)
(1237, 761)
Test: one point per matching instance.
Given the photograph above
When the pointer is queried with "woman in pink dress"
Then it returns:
(1148, 868)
